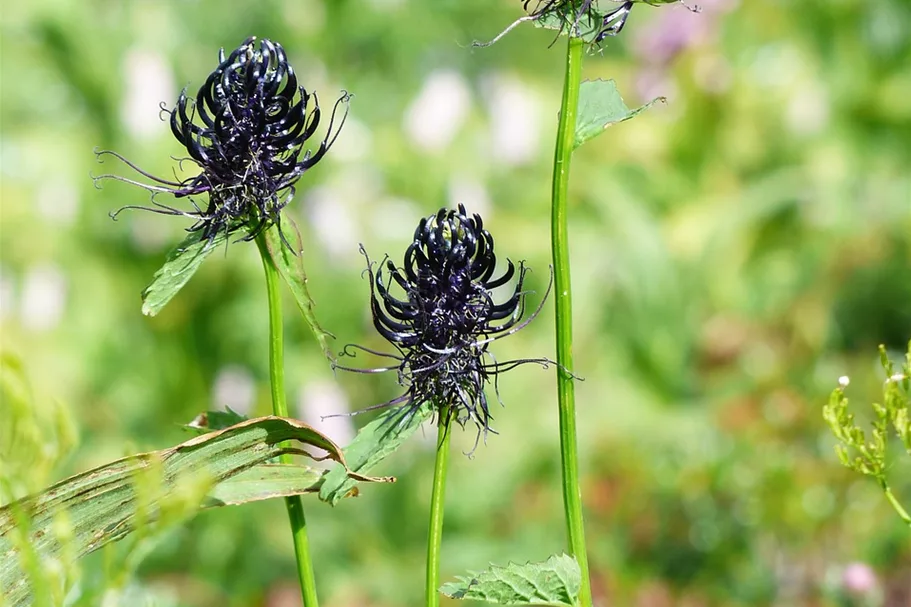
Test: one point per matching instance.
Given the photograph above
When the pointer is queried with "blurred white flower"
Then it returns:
(150, 235)
(149, 82)
(390, 219)
(319, 399)
(234, 389)
(470, 192)
(58, 202)
(354, 142)
(515, 119)
(808, 109)
(439, 110)
(7, 295)
(333, 221)
(43, 297)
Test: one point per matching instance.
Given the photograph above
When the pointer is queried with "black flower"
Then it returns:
(245, 129)
(446, 317)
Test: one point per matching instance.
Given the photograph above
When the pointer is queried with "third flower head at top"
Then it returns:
(245, 129)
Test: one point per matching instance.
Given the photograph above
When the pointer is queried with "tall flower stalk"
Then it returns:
(442, 325)
(569, 458)
(293, 503)
(246, 130)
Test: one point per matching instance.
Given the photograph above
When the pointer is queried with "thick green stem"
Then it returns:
(280, 408)
(572, 494)
(435, 537)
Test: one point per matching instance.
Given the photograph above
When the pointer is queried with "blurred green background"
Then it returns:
(735, 251)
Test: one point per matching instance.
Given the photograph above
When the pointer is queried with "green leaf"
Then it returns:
(85, 512)
(215, 420)
(263, 482)
(373, 443)
(601, 106)
(177, 270)
(556, 581)
(290, 264)
(35, 432)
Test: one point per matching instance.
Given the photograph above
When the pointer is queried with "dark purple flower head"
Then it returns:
(245, 129)
(446, 317)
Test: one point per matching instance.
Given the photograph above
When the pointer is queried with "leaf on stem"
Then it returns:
(557, 581)
(85, 512)
(178, 269)
(290, 264)
(373, 443)
(262, 482)
(215, 420)
(601, 106)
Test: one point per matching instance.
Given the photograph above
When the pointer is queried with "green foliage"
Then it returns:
(601, 106)
(732, 252)
(373, 443)
(290, 264)
(178, 269)
(35, 434)
(88, 511)
(262, 482)
(555, 581)
(210, 421)
(871, 456)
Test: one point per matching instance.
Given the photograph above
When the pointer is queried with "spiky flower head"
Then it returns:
(447, 316)
(583, 18)
(593, 20)
(245, 129)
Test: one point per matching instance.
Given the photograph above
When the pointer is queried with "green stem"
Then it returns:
(894, 501)
(435, 537)
(572, 494)
(280, 408)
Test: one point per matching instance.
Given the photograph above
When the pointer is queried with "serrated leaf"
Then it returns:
(601, 106)
(557, 581)
(373, 443)
(107, 503)
(177, 270)
(290, 264)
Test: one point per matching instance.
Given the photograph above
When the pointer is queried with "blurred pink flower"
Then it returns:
(680, 27)
(671, 32)
(858, 578)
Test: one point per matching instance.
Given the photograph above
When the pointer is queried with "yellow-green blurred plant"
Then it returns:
(36, 433)
(142, 496)
(870, 457)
